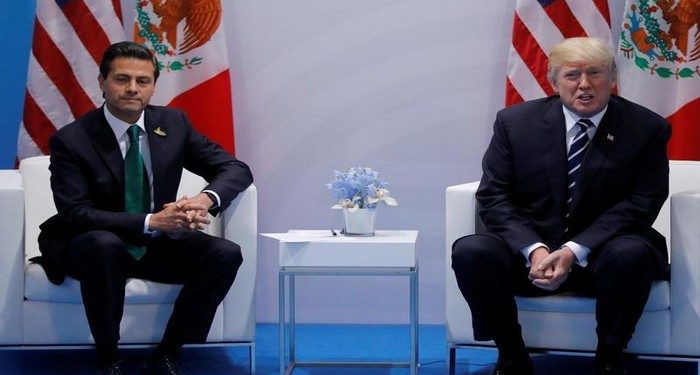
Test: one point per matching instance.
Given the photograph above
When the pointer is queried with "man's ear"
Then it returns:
(101, 81)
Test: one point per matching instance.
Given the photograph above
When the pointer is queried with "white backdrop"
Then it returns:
(409, 88)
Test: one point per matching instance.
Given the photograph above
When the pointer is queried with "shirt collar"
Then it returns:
(120, 127)
(571, 118)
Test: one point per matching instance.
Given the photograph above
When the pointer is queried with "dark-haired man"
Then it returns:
(114, 174)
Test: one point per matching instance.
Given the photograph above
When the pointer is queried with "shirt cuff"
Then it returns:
(581, 252)
(145, 225)
(527, 250)
(217, 203)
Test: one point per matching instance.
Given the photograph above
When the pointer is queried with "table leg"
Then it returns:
(282, 324)
(414, 320)
(292, 321)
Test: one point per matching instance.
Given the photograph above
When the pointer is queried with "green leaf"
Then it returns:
(196, 60)
(685, 73)
(664, 72)
(176, 65)
(641, 62)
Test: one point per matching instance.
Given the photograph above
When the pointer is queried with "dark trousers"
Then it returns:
(205, 265)
(619, 276)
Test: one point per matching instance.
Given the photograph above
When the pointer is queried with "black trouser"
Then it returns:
(205, 265)
(619, 276)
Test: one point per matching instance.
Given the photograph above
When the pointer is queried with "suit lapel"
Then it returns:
(106, 145)
(598, 151)
(157, 138)
(554, 134)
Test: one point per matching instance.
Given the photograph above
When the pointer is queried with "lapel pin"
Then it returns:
(611, 137)
(161, 133)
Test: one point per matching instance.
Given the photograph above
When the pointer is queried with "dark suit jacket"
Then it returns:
(622, 184)
(87, 178)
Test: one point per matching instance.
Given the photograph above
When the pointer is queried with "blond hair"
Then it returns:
(580, 50)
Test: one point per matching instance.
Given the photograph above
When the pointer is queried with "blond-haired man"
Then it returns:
(571, 186)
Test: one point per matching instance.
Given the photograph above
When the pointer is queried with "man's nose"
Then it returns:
(132, 86)
(583, 81)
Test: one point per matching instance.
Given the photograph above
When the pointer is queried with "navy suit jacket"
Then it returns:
(87, 177)
(623, 181)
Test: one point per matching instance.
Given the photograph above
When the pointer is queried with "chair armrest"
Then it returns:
(685, 273)
(460, 202)
(240, 225)
(460, 210)
(11, 257)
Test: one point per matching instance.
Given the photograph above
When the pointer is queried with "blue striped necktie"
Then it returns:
(576, 152)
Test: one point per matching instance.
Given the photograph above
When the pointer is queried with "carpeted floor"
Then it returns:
(327, 343)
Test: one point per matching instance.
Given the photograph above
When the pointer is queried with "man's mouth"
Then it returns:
(585, 97)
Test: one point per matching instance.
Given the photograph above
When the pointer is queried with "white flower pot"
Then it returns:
(360, 222)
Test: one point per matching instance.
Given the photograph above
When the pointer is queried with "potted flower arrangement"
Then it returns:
(358, 192)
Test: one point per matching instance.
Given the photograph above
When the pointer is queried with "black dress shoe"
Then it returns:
(522, 366)
(165, 365)
(114, 369)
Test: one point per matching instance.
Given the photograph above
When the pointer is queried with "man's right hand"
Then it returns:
(178, 217)
(537, 256)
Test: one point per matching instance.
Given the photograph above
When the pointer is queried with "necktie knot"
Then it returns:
(133, 132)
(584, 123)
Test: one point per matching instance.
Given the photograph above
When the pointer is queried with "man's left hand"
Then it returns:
(560, 262)
(194, 216)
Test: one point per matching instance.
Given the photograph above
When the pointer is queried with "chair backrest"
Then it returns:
(39, 204)
(684, 176)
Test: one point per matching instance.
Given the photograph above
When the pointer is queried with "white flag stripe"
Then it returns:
(46, 95)
(590, 19)
(84, 67)
(522, 78)
(545, 32)
(26, 147)
(108, 20)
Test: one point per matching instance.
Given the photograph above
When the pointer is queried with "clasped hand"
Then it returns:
(185, 214)
(549, 270)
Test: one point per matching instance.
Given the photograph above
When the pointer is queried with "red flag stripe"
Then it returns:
(59, 70)
(87, 28)
(512, 95)
(212, 115)
(37, 125)
(531, 53)
(564, 19)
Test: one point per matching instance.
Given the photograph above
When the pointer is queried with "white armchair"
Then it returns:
(30, 306)
(670, 324)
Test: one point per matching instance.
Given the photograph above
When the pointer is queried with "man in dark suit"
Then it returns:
(571, 186)
(114, 174)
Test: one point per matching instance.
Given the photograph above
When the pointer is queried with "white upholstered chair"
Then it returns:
(37, 313)
(670, 324)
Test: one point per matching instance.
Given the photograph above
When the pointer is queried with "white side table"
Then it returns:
(319, 253)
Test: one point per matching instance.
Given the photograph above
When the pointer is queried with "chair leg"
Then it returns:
(251, 358)
(451, 359)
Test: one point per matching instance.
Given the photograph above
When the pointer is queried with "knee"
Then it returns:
(229, 255)
(627, 256)
(472, 251)
(99, 246)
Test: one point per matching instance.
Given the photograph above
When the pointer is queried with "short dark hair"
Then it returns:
(127, 49)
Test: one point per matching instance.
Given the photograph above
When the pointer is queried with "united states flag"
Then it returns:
(69, 39)
(537, 26)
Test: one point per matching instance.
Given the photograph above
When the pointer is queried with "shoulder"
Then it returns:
(632, 111)
(530, 110)
(162, 113)
(80, 126)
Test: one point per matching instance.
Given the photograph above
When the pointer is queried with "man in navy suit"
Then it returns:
(98, 240)
(571, 186)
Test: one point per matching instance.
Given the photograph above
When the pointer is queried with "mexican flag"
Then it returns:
(659, 66)
(188, 39)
